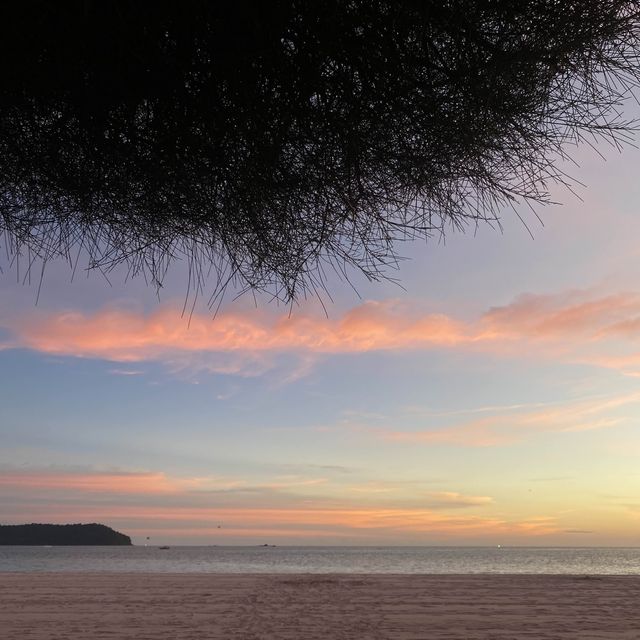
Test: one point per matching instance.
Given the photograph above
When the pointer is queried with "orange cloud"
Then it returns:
(304, 522)
(578, 326)
(186, 505)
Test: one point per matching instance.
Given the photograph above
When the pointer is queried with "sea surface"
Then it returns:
(402, 560)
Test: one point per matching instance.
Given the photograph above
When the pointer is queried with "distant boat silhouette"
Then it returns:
(164, 547)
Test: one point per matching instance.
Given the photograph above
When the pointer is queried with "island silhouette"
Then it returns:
(61, 534)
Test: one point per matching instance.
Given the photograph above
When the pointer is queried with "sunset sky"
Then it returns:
(494, 399)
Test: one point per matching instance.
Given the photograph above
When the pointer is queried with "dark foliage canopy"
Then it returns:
(267, 143)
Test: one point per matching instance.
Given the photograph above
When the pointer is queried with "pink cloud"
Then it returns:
(126, 336)
(96, 482)
(513, 426)
(575, 326)
(195, 491)
(569, 313)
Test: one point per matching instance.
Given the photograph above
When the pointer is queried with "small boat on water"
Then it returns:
(164, 547)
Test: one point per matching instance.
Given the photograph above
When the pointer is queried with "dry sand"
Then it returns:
(331, 607)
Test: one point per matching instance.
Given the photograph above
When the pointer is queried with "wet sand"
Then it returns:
(66, 606)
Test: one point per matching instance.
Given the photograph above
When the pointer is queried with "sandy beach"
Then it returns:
(67, 606)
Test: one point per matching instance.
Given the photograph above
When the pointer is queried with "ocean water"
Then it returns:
(402, 560)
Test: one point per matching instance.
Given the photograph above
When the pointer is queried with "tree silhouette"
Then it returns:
(267, 143)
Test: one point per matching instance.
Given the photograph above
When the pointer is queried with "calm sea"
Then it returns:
(406, 560)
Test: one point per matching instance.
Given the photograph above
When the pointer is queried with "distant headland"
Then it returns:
(61, 534)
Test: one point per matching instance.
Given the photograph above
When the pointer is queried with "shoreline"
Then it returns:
(316, 574)
(260, 606)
